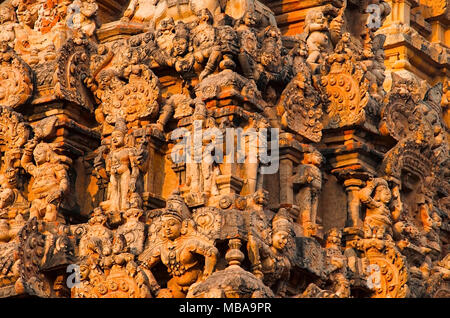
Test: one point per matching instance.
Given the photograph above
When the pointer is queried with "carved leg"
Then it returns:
(211, 66)
(314, 207)
(244, 61)
(34, 211)
(303, 200)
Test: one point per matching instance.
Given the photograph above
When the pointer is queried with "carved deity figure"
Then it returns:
(13, 205)
(255, 145)
(376, 68)
(179, 252)
(81, 16)
(337, 284)
(140, 10)
(122, 166)
(376, 196)
(337, 269)
(246, 29)
(153, 11)
(133, 230)
(271, 65)
(276, 266)
(174, 49)
(51, 180)
(431, 222)
(299, 54)
(205, 43)
(97, 239)
(317, 38)
(308, 179)
(201, 170)
(8, 22)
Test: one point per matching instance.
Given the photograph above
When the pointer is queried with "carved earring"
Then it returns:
(184, 227)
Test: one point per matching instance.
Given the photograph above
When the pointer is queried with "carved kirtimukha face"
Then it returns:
(171, 227)
(279, 240)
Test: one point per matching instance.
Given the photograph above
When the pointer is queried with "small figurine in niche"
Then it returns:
(299, 55)
(255, 145)
(122, 164)
(210, 169)
(337, 284)
(201, 170)
(308, 179)
(51, 180)
(13, 205)
(179, 252)
(376, 196)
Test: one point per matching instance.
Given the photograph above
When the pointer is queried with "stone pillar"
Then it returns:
(286, 172)
(352, 187)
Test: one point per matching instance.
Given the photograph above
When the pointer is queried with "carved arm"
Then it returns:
(27, 157)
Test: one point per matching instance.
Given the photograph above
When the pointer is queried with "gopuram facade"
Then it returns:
(224, 148)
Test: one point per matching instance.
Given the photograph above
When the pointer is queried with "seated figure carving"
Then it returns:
(179, 251)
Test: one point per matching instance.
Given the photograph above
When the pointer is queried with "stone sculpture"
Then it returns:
(232, 148)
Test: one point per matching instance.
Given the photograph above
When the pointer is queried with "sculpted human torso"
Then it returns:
(157, 10)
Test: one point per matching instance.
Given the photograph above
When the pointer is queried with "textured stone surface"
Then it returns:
(102, 102)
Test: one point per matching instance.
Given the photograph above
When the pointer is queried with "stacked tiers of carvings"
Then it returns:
(330, 79)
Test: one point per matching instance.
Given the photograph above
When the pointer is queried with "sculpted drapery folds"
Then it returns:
(98, 100)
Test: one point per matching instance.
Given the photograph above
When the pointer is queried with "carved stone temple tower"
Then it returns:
(164, 148)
